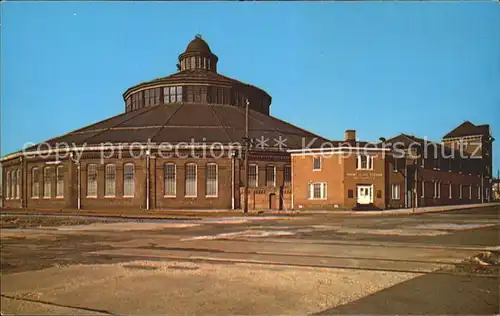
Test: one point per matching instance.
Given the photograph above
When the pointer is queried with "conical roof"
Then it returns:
(188, 122)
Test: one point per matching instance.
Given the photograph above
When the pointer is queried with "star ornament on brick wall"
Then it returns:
(262, 142)
(280, 142)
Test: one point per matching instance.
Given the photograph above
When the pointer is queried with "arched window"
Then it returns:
(193, 62)
(212, 180)
(170, 171)
(18, 184)
(128, 180)
(92, 180)
(110, 184)
(60, 182)
(35, 183)
(7, 187)
(190, 180)
(47, 182)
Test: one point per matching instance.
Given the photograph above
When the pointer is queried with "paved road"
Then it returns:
(322, 264)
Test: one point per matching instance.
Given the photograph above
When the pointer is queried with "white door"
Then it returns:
(365, 194)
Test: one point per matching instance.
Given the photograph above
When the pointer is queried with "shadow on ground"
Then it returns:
(434, 293)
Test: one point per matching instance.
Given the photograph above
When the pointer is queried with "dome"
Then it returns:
(198, 45)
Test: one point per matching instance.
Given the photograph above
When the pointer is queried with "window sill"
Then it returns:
(364, 169)
(211, 196)
(91, 197)
(190, 196)
(35, 198)
(316, 169)
(320, 199)
(128, 196)
(59, 197)
(170, 196)
(47, 197)
(110, 196)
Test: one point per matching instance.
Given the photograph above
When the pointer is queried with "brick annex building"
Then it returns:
(202, 114)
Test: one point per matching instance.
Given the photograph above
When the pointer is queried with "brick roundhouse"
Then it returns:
(196, 111)
(179, 145)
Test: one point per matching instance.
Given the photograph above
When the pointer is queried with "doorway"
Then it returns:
(365, 194)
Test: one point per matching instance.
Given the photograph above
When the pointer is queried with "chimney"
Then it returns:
(350, 134)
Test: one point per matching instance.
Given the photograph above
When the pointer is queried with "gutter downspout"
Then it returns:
(232, 179)
(79, 179)
(147, 179)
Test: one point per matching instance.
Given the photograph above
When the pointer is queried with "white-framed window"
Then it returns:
(395, 165)
(170, 172)
(364, 162)
(317, 191)
(316, 163)
(423, 189)
(461, 191)
(478, 192)
(110, 180)
(92, 180)
(287, 176)
(128, 180)
(396, 191)
(449, 191)
(270, 176)
(190, 183)
(60, 182)
(470, 192)
(35, 183)
(253, 175)
(7, 186)
(18, 184)
(211, 180)
(439, 189)
(47, 182)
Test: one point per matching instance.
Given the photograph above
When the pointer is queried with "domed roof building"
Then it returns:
(178, 144)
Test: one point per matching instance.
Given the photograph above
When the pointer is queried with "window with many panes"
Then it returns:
(253, 176)
(170, 172)
(317, 191)
(152, 96)
(316, 163)
(128, 180)
(91, 180)
(270, 176)
(172, 94)
(190, 180)
(110, 181)
(35, 183)
(287, 176)
(60, 182)
(364, 162)
(211, 180)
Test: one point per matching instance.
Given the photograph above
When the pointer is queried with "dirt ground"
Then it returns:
(46, 221)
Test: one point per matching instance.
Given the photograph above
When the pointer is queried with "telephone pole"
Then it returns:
(247, 144)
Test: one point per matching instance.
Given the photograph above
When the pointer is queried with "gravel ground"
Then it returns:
(46, 221)
(150, 287)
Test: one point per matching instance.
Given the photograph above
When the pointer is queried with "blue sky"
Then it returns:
(381, 68)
